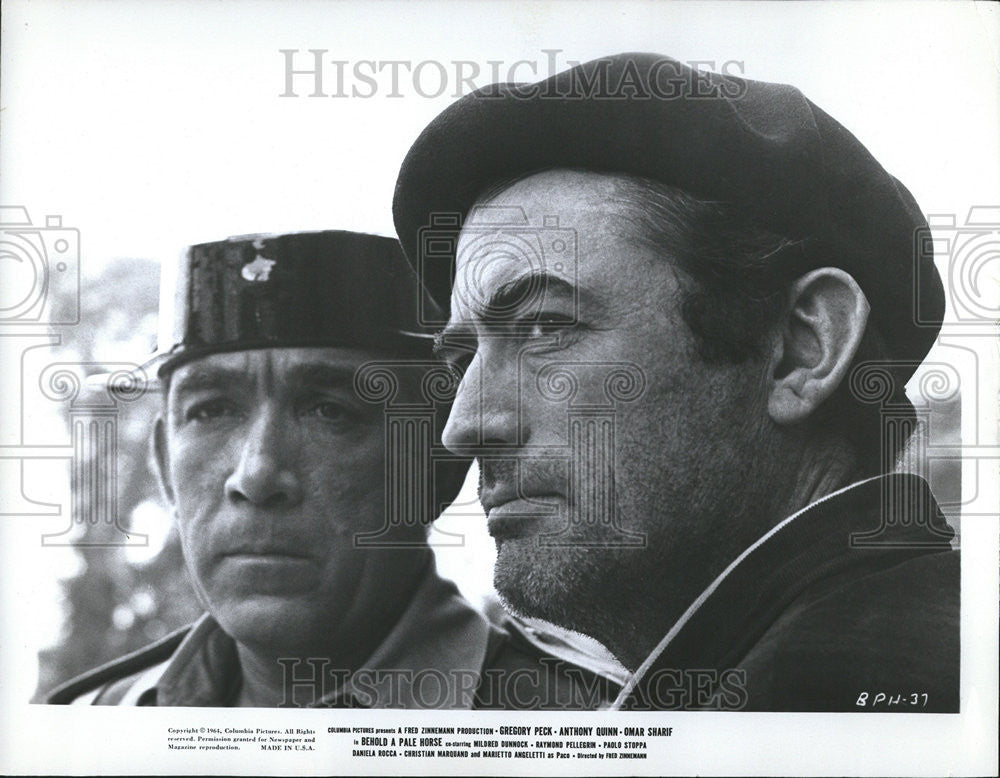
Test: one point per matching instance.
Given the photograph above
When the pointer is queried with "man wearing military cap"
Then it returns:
(302, 523)
(680, 305)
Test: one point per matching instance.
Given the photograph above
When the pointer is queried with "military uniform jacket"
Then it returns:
(441, 654)
(851, 604)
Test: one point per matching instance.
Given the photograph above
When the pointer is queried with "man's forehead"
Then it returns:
(331, 364)
(584, 186)
(505, 271)
(556, 226)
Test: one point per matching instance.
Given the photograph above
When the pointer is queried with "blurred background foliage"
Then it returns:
(121, 598)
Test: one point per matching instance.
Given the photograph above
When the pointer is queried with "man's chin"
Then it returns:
(530, 582)
(265, 620)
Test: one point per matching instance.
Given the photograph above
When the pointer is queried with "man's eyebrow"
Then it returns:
(201, 378)
(314, 374)
(507, 301)
(449, 341)
(526, 291)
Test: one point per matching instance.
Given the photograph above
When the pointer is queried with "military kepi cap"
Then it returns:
(330, 288)
(764, 148)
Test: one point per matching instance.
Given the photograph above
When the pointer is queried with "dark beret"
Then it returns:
(328, 288)
(763, 148)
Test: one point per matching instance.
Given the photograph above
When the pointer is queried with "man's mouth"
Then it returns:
(519, 516)
(267, 571)
(263, 553)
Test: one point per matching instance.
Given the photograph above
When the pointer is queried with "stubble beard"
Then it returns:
(626, 596)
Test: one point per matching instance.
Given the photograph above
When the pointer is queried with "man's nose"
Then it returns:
(266, 473)
(484, 414)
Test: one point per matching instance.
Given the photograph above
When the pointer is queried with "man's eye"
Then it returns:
(209, 410)
(547, 325)
(457, 364)
(330, 411)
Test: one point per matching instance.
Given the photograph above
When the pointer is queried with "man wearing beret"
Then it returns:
(683, 307)
(297, 451)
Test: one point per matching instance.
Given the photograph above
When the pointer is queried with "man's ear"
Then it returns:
(162, 459)
(827, 316)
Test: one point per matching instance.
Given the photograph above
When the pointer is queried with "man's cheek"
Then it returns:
(192, 472)
(344, 474)
(194, 534)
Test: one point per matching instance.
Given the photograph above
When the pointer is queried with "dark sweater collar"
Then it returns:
(865, 525)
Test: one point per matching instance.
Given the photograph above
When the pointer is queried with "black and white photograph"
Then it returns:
(483, 388)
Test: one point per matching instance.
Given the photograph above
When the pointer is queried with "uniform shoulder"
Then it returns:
(95, 683)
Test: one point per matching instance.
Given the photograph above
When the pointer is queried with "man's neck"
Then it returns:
(264, 678)
(632, 636)
(274, 676)
(817, 477)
